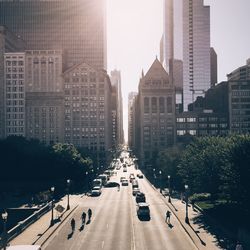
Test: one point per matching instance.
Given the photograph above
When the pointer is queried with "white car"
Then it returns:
(96, 191)
(24, 247)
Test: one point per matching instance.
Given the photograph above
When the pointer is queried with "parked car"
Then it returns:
(143, 210)
(122, 178)
(96, 191)
(140, 197)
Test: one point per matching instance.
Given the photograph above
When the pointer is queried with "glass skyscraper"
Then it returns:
(78, 27)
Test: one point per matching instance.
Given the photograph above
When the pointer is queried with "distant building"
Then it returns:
(213, 61)
(115, 78)
(241, 73)
(114, 117)
(14, 94)
(88, 120)
(78, 27)
(131, 119)
(155, 113)
(9, 42)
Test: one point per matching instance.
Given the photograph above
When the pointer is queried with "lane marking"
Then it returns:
(107, 225)
(103, 244)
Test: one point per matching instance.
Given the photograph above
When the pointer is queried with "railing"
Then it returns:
(22, 225)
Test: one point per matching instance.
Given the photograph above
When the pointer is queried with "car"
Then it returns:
(140, 175)
(125, 182)
(135, 184)
(24, 247)
(143, 210)
(131, 177)
(125, 170)
(135, 191)
(96, 191)
(122, 178)
(112, 184)
(140, 197)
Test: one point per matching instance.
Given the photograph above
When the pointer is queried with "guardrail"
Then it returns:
(22, 225)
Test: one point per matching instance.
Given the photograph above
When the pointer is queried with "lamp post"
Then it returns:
(169, 190)
(87, 179)
(186, 194)
(154, 172)
(52, 189)
(160, 181)
(68, 185)
(4, 217)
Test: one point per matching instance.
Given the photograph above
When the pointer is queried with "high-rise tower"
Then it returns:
(196, 50)
(78, 27)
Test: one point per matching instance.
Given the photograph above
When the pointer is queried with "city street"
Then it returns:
(115, 225)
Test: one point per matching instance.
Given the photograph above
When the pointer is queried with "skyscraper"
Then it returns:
(187, 38)
(78, 27)
(196, 50)
(115, 78)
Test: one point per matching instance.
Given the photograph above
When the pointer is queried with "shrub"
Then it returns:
(200, 197)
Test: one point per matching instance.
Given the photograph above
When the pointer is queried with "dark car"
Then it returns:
(143, 210)
(140, 197)
(111, 184)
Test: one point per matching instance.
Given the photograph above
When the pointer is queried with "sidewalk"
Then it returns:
(40, 231)
(200, 236)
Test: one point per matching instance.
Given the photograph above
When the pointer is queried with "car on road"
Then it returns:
(140, 197)
(122, 178)
(135, 184)
(140, 175)
(124, 182)
(131, 177)
(112, 184)
(125, 170)
(24, 247)
(96, 191)
(143, 210)
(135, 191)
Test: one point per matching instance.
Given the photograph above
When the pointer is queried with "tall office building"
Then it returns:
(131, 119)
(78, 27)
(88, 122)
(14, 79)
(115, 78)
(9, 42)
(213, 61)
(187, 38)
(196, 50)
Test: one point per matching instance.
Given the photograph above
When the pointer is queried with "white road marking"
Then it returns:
(107, 225)
(103, 244)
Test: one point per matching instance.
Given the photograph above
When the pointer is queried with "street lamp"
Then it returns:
(52, 189)
(154, 172)
(169, 198)
(186, 194)
(4, 217)
(68, 185)
(160, 181)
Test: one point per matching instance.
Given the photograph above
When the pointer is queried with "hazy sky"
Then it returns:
(134, 29)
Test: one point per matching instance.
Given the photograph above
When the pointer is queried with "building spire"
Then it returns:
(142, 73)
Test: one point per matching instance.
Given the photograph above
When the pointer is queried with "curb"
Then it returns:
(56, 227)
(173, 213)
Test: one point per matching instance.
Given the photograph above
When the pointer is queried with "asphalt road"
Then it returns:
(115, 226)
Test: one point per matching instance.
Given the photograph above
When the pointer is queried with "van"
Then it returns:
(24, 247)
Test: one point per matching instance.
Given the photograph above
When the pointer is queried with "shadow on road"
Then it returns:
(70, 235)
